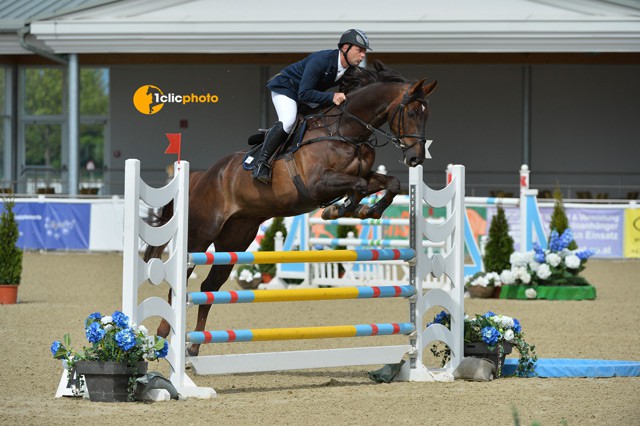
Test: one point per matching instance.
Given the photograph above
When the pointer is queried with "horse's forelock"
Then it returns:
(357, 77)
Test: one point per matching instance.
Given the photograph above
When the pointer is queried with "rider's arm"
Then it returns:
(313, 74)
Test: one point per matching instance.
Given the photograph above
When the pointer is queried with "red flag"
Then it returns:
(174, 144)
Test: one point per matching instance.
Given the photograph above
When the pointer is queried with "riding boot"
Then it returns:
(274, 138)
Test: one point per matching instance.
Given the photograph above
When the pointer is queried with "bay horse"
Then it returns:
(333, 161)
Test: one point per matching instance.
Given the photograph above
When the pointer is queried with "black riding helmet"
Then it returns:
(354, 36)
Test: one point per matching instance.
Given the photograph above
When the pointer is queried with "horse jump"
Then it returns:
(136, 271)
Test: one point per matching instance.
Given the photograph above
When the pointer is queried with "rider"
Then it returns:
(306, 82)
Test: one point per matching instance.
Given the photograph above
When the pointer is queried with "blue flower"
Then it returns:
(489, 314)
(516, 326)
(164, 351)
(585, 254)
(92, 317)
(55, 346)
(490, 335)
(95, 332)
(554, 242)
(442, 317)
(125, 339)
(566, 238)
(120, 319)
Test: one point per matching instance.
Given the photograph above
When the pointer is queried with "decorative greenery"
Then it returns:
(558, 265)
(493, 330)
(113, 338)
(484, 279)
(500, 245)
(559, 219)
(10, 254)
(268, 243)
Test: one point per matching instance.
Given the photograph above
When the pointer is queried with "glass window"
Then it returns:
(92, 150)
(94, 91)
(43, 91)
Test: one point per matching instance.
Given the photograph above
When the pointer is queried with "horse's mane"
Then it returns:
(358, 77)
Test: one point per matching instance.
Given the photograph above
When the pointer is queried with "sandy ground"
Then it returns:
(60, 290)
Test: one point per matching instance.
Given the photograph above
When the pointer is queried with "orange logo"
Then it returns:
(147, 99)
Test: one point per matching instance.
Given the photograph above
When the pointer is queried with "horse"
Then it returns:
(334, 160)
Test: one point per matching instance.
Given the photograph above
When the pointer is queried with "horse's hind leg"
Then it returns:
(236, 235)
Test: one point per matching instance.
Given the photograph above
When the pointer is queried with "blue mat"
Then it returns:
(567, 367)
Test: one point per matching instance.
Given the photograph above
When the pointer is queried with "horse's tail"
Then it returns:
(158, 218)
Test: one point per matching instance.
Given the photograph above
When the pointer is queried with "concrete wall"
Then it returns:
(584, 121)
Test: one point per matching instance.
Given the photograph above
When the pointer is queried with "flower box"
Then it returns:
(549, 292)
(481, 350)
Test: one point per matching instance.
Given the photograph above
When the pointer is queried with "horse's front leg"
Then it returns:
(378, 182)
(333, 185)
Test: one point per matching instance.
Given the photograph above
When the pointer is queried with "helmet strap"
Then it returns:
(344, 53)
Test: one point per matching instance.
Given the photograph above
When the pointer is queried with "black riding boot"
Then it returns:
(272, 141)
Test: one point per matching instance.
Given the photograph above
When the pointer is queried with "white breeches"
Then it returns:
(286, 108)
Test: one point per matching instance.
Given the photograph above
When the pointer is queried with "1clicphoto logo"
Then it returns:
(150, 99)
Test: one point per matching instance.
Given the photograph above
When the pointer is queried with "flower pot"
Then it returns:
(266, 278)
(109, 381)
(249, 285)
(481, 350)
(477, 291)
(8, 294)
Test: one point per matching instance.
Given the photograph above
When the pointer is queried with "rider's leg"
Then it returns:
(286, 109)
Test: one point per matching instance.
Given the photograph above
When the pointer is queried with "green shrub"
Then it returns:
(500, 245)
(559, 219)
(10, 254)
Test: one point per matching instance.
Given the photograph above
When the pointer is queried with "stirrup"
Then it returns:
(262, 173)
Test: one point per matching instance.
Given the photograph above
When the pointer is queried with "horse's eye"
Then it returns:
(412, 113)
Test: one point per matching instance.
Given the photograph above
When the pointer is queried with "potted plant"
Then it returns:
(496, 258)
(118, 354)
(551, 273)
(10, 255)
(248, 277)
(491, 336)
(268, 271)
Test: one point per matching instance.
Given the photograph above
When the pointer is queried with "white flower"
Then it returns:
(553, 259)
(106, 319)
(246, 275)
(526, 278)
(517, 259)
(528, 256)
(572, 261)
(533, 265)
(531, 293)
(109, 327)
(143, 330)
(507, 277)
(509, 334)
(544, 271)
(504, 321)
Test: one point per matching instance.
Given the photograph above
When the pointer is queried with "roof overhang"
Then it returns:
(254, 26)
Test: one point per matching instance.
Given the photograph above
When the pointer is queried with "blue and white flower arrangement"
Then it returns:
(113, 338)
(494, 331)
(556, 265)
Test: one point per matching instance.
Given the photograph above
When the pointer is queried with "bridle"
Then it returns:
(395, 138)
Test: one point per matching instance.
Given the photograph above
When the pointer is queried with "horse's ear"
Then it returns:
(417, 87)
(430, 87)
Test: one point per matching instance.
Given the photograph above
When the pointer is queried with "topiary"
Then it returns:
(268, 243)
(10, 254)
(559, 219)
(500, 245)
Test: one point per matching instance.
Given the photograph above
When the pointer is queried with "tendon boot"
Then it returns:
(274, 138)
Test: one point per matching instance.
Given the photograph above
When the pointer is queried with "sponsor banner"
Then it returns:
(53, 226)
(632, 233)
(599, 229)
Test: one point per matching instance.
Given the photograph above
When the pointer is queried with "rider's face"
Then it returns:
(355, 55)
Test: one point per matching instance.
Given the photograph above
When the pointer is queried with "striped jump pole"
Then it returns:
(298, 333)
(298, 295)
(262, 257)
(368, 242)
(356, 222)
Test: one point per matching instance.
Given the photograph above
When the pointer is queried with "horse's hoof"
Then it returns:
(330, 213)
(363, 212)
(193, 350)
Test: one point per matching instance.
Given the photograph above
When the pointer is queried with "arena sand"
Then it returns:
(59, 290)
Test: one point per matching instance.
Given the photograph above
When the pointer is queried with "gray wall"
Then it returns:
(584, 121)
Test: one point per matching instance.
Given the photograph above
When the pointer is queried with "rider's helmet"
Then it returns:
(354, 36)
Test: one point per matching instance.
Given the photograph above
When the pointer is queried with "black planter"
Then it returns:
(108, 381)
(481, 350)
